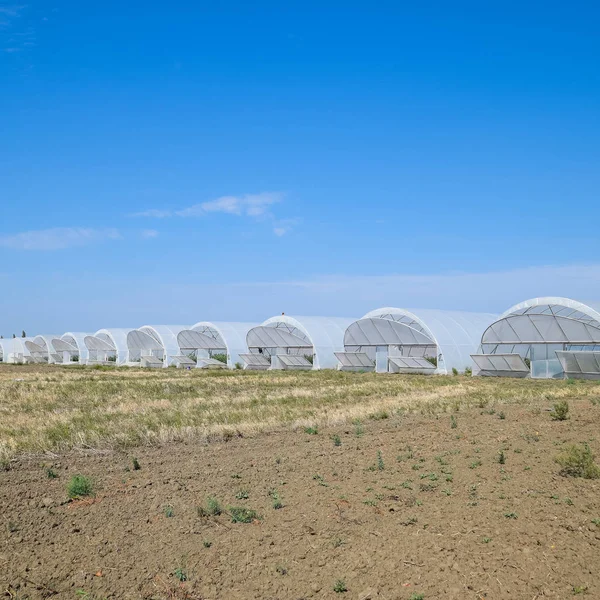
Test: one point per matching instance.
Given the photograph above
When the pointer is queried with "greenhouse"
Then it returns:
(70, 349)
(108, 346)
(213, 345)
(41, 350)
(295, 343)
(425, 341)
(14, 350)
(543, 338)
(154, 345)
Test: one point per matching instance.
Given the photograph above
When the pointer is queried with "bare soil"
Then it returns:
(405, 505)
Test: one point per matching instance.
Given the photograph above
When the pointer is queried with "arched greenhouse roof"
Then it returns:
(156, 337)
(216, 335)
(14, 349)
(547, 320)
(110, 340)
(324, 334)
(457, 334)
(73, 342)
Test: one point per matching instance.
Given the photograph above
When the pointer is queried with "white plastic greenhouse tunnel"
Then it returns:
(543, 338)
(425, 341)
(70, 349)
(213, 345)
(154, 345)
(14, 350)
(295, 343)
(41, 350)
(108, 346)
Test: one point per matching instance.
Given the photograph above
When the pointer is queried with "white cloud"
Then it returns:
(250, 205)
(11, 11)
(253, 206)
(148, 234)
(154, 213)
(283, 226)
(57, 238)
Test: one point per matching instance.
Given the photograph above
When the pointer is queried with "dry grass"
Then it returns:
(49, 409)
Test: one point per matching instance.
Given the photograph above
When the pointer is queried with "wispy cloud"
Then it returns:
(154, 213)
(149, 234)
(253, 206)
(250, 205)
(11, 10)
(283, 226)
(12, 39)
(57, 238)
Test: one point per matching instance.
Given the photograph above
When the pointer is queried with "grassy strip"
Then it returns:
(44, 408)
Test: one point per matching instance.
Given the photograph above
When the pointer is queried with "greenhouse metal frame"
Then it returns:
(154, 345)
(312, 341)
(208, 339)
(422, 341)
(545, 338)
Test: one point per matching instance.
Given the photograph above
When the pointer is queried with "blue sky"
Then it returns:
(194, 161)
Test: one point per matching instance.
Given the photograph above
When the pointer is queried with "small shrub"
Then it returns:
(453, 422)
(380, 464)
(337, 440)
(380, 415)
(51, 474)
(220, 357)
(80, 486)
(501, 457)
(454, 371)
(240, 514)
(136, 464)
(180, 574)
(511, 515)
(238, 366)
(339, 586)
(242, 495)
(578, 461)
(468, 371)
(417, 596)
(207, 543)
(169, 511)
(560, 412)
(277, 504)
(359, 430)
(13, 527)
(501, 415)
(213, 506)
(311, 430)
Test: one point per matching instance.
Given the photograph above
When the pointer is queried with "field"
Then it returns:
(363, 486)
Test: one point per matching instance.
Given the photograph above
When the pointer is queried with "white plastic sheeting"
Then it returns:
(500, 365)
(355, 361)
(452, 335)
(14, 350)
(580, 365)
(255, 362)
(69, 346)
(539, 328)
(158, 341)
(41, 349)
(214, 336)
(108, 343)
(411, 364)
(320, 337)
